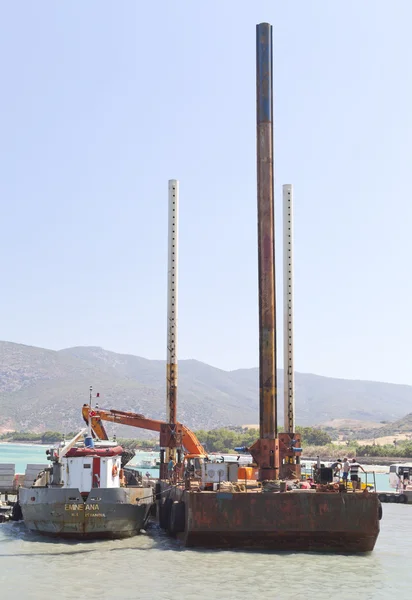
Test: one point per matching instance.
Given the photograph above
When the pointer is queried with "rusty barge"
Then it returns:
(259, 513)
(301, 520)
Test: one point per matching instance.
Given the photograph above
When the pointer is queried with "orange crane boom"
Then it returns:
(189, 440)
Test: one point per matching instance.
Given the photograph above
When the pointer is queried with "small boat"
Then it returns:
(87, 492)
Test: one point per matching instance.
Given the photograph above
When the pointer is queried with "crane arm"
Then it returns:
(191, 443)
(189, 439)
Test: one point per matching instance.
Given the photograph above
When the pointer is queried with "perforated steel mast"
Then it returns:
(172, 304)
(288, 368)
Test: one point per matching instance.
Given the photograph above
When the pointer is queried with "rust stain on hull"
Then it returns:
(306, 521)
(322, 541)
(107, 513)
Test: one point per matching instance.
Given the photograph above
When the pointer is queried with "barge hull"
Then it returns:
(107, 513)
(327, 522)
(307, 541)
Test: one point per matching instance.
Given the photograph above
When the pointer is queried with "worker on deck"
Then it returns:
(354, 474)
(336, 467)
(346, 469)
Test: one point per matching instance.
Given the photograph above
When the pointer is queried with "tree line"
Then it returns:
(402, 449)
(226, 440)
(216, 440)
(46, 437)
(314, 441)
(49, 437)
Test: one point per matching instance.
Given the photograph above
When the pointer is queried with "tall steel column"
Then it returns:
(266, 451)
(265, 198)
(288, 369)
(171, 369)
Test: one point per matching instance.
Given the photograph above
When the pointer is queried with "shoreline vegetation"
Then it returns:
(315, 442)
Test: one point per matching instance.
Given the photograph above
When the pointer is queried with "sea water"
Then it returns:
(154, 567)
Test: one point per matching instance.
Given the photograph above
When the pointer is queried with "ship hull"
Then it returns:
(107, 513)
(304, 521)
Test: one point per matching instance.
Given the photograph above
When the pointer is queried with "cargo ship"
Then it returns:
(87, 493)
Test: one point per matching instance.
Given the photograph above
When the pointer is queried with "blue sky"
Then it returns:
(103, 102)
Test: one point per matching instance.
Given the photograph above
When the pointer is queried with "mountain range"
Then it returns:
(44, 390)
